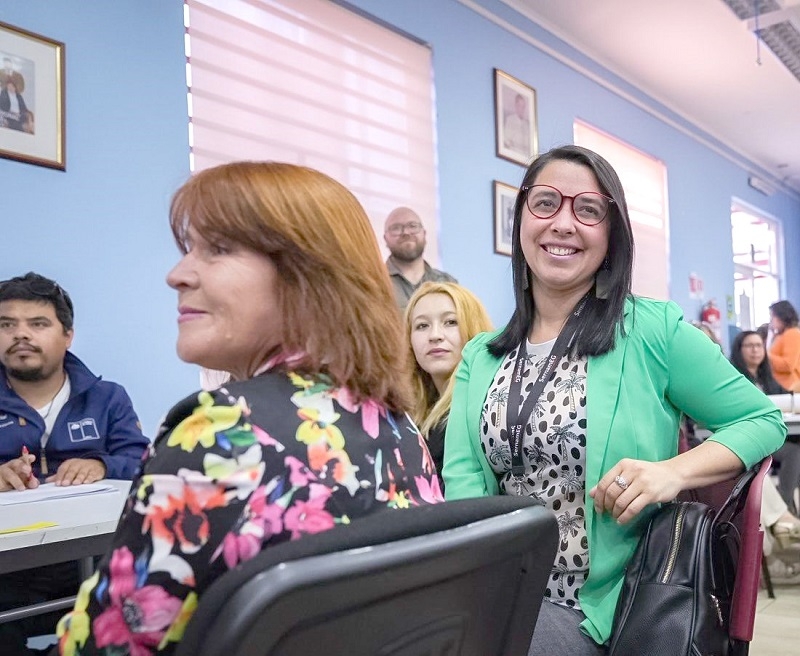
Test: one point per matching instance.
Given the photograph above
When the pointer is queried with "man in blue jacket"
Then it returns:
(59, 423)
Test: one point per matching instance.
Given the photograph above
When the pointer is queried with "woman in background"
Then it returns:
(784, 352)
(440, 318)
(749, 356)
(311, 431)
(577, 400)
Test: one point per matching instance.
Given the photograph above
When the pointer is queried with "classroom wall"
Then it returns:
(100, 228)
(466, 47)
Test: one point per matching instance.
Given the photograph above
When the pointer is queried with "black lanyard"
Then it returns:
(516, 417)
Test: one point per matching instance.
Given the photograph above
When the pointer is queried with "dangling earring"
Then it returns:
(602, 281)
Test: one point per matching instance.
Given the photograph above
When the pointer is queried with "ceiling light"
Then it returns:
(782, 37)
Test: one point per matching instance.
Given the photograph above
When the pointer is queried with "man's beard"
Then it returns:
(33, 375)
(408, 251)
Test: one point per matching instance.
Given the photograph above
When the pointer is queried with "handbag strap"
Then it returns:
(737, 494)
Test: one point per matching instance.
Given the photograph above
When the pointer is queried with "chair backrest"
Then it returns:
(463, 577)
(748, 568)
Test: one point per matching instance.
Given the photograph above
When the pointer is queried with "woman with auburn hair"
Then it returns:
(282, 285)
(440, 318)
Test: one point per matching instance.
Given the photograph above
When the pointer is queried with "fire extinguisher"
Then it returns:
(711, 315)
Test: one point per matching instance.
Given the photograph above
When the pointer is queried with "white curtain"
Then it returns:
(310, 82)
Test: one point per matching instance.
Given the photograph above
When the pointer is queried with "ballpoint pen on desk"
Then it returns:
(25, 453)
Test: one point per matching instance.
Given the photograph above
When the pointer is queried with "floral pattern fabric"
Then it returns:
(233, 471)
(554, 454)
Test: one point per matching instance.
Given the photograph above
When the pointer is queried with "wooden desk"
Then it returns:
(85, 526)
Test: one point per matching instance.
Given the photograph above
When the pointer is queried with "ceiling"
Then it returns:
(702, 60)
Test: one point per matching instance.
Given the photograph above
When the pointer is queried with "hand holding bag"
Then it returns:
(676, 596)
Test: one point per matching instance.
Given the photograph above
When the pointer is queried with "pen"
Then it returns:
(25, 453)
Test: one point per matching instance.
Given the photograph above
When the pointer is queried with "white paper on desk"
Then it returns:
(52, 491)
(785, 402)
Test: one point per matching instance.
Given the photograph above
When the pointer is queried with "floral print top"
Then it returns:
(554, 454)
(233, 471)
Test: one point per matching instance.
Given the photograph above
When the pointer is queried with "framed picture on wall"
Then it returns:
(31, 98)
(504, 198)
(516, 132)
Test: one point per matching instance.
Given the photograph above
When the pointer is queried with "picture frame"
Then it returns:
(505, 197)
(516, 129)
(32, 127)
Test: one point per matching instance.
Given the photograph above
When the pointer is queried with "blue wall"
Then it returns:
(100, 228)
(466, 47)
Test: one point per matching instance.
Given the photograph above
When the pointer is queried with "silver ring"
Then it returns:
(620, 480)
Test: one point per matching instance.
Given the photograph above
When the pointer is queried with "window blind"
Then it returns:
(313, 83)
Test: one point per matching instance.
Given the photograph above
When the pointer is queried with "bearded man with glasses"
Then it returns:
(405, 239)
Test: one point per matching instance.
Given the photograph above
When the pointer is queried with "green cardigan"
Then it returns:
(635, 394)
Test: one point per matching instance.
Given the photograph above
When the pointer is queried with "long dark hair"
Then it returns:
(599, 321)
(764, 376)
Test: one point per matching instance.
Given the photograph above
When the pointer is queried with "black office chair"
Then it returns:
(460, 578)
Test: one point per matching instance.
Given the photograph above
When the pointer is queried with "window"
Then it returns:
(757, 255)
(644, 179)
(312, 83)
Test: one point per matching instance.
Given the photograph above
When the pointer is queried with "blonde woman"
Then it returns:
(440, 318)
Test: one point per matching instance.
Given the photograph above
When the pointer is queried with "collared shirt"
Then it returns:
(403, 289)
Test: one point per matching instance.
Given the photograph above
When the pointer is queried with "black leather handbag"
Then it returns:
(676, 596)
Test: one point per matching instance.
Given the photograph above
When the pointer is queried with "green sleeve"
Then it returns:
(708, 388)
(463, 470)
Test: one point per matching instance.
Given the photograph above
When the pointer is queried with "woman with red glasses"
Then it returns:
(577, 400)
